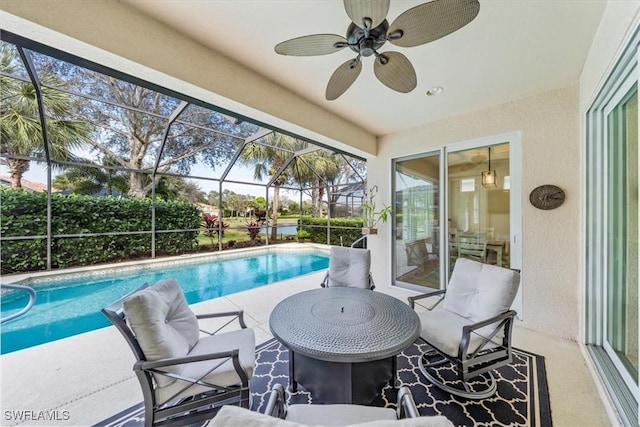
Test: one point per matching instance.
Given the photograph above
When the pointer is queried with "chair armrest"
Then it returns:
(161, 363)
(239, 314)
(325, 281)
(412, 300)
(372, 285)
(275, 405)
(505, 319)
(506, 315)
(153, 366)
(406, 405)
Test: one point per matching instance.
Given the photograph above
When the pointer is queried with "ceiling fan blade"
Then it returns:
(316, 44)
(431, 21)
(342, 78)
(395, 71)
(376, 10)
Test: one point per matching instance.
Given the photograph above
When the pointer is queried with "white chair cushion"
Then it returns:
(235, 416)
(443, 330)
(163, 323)
(349, 267)
(225, 374)
(339, 415)
(480, 291)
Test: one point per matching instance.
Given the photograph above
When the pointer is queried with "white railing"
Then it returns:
(32, 300)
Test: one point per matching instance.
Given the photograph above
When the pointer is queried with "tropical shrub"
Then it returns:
(212, 226)
(253, 229)
(303, 235)
(344, 231)
(77, 225)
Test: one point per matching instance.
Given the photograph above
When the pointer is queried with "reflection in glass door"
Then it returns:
(621, 308)
(479, 205)
(417, 237)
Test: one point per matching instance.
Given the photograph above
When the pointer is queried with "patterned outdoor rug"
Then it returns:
(522, 398)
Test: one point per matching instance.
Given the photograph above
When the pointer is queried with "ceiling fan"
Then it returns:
(369, 31)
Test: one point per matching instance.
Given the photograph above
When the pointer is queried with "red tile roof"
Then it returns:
(29, 185)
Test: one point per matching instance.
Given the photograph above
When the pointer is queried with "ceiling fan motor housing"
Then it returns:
(367, 42)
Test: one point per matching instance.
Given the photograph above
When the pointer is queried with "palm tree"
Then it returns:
(92, 178)
(267, 159)
(20, 128)
(327, 167)
(319, 169)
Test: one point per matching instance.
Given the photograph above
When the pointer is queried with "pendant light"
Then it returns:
(489, 177)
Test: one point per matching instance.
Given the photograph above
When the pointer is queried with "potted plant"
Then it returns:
(372, 216)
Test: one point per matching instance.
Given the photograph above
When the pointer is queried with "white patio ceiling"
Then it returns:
(513, 49)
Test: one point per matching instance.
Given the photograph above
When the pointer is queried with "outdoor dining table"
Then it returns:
(343, 342)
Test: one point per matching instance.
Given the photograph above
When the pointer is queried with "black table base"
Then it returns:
(341, 382)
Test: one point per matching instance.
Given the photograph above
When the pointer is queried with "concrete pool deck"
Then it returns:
(88, 378)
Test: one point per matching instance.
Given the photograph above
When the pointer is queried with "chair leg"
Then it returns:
(467, 393)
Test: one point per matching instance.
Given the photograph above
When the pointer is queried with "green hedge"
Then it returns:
(317, 228)
(25, 214)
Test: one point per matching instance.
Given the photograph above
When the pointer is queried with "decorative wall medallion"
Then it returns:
(547, 197)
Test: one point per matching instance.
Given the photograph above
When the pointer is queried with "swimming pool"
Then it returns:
(70, 306)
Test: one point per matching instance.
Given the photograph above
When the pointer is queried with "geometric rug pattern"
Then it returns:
(522, 398)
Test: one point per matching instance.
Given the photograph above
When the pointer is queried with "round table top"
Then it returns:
(344, 324)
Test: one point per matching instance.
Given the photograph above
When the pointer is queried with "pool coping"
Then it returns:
(35, 278)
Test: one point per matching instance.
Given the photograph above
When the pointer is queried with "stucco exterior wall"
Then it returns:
(549, 127)
(133, 43)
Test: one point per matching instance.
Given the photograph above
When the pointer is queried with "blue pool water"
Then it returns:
(70, 307)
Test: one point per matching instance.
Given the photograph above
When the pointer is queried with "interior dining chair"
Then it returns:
(186, 373)
(471, 331)
(416, 252)
(472, 246)
(349, 267)
(278, 414)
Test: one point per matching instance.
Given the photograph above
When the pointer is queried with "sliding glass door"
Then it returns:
(479, 186)
(417, 221)
(611, 227)
(444, 210)
(621, 307)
